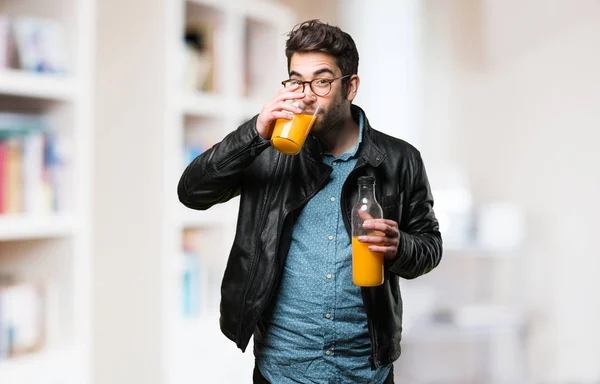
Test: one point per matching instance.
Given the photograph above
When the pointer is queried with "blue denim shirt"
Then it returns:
(317, 331)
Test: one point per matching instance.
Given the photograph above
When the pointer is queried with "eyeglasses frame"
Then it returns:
(309, 82)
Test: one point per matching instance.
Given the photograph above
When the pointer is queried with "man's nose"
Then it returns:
(309, 91)
(311, 96)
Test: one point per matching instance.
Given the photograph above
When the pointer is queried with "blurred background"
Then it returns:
(106, 278)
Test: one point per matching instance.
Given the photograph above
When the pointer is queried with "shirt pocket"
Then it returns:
(392, 206)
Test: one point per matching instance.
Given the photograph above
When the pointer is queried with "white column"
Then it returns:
(128, 189)
(387, 35)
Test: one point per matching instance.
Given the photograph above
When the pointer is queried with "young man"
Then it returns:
(288, 280)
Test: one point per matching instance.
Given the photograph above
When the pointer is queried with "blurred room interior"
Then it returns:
(106, 278)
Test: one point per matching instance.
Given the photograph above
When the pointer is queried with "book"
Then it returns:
(30, 165)
(6, 46)
(40, 45)
(21, 319)
(198, 58)
(12, 183)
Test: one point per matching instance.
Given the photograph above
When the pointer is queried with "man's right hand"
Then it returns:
(277, 108)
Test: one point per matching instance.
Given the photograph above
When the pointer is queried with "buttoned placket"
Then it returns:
(330, 294)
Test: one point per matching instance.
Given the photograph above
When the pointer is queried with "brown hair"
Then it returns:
(314, 35)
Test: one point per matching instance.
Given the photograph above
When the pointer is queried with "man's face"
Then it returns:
(335, 106)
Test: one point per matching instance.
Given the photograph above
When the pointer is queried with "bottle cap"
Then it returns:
(366, 180)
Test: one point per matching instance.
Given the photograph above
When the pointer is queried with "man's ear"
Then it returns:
(353, 85)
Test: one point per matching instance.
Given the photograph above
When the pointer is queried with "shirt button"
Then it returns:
(328, 316)
(328, 352)
(334, 163)
(329, 276)
(332, 198)
(330, 237)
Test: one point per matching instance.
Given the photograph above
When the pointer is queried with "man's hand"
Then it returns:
(384, 236)
(277, 108)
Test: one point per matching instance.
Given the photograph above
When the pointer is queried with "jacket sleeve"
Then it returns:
(420, 242)
(215, 176)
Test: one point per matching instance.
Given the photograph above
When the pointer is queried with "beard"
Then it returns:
(330, 119)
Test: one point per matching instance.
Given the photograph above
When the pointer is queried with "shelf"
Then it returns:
(35, 85)
(203, 104)
(218, 215)
(23, 227)
(48, 367)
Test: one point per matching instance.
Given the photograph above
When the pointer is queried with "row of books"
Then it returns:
(30, 165)
(22, 320)
(32, 44)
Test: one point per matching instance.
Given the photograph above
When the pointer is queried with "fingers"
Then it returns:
(277, 108)
(388, 252)
(286, 107)
(383, 237)
(290, 93)
(364, 215)
(379, 240)
(281, 102)
(389, 227)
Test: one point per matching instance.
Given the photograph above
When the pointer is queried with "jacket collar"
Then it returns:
(369, 150)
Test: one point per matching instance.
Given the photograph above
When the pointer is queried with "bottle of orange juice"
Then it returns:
(367, 266)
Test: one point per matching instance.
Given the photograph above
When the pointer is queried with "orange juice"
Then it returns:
(367, 266)
(289, 135)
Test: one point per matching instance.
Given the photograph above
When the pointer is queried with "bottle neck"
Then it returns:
(366, 191)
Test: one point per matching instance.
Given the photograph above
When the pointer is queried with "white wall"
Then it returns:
(508, 92)
(128, 189)
(521, 93)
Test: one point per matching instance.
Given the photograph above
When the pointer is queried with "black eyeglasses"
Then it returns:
(320, 87)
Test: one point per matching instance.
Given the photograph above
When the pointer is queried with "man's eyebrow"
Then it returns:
(315, 73)
(323, 70)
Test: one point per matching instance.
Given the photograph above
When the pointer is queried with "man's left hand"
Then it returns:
(384, 238)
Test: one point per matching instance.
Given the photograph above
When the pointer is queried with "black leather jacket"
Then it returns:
(274, 188)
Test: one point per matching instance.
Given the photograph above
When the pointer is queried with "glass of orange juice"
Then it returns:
(289, 135)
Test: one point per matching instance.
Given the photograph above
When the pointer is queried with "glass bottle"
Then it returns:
(367, 266)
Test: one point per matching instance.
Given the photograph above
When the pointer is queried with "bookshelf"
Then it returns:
(166, 110)
(247, 52)
(47, 246)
